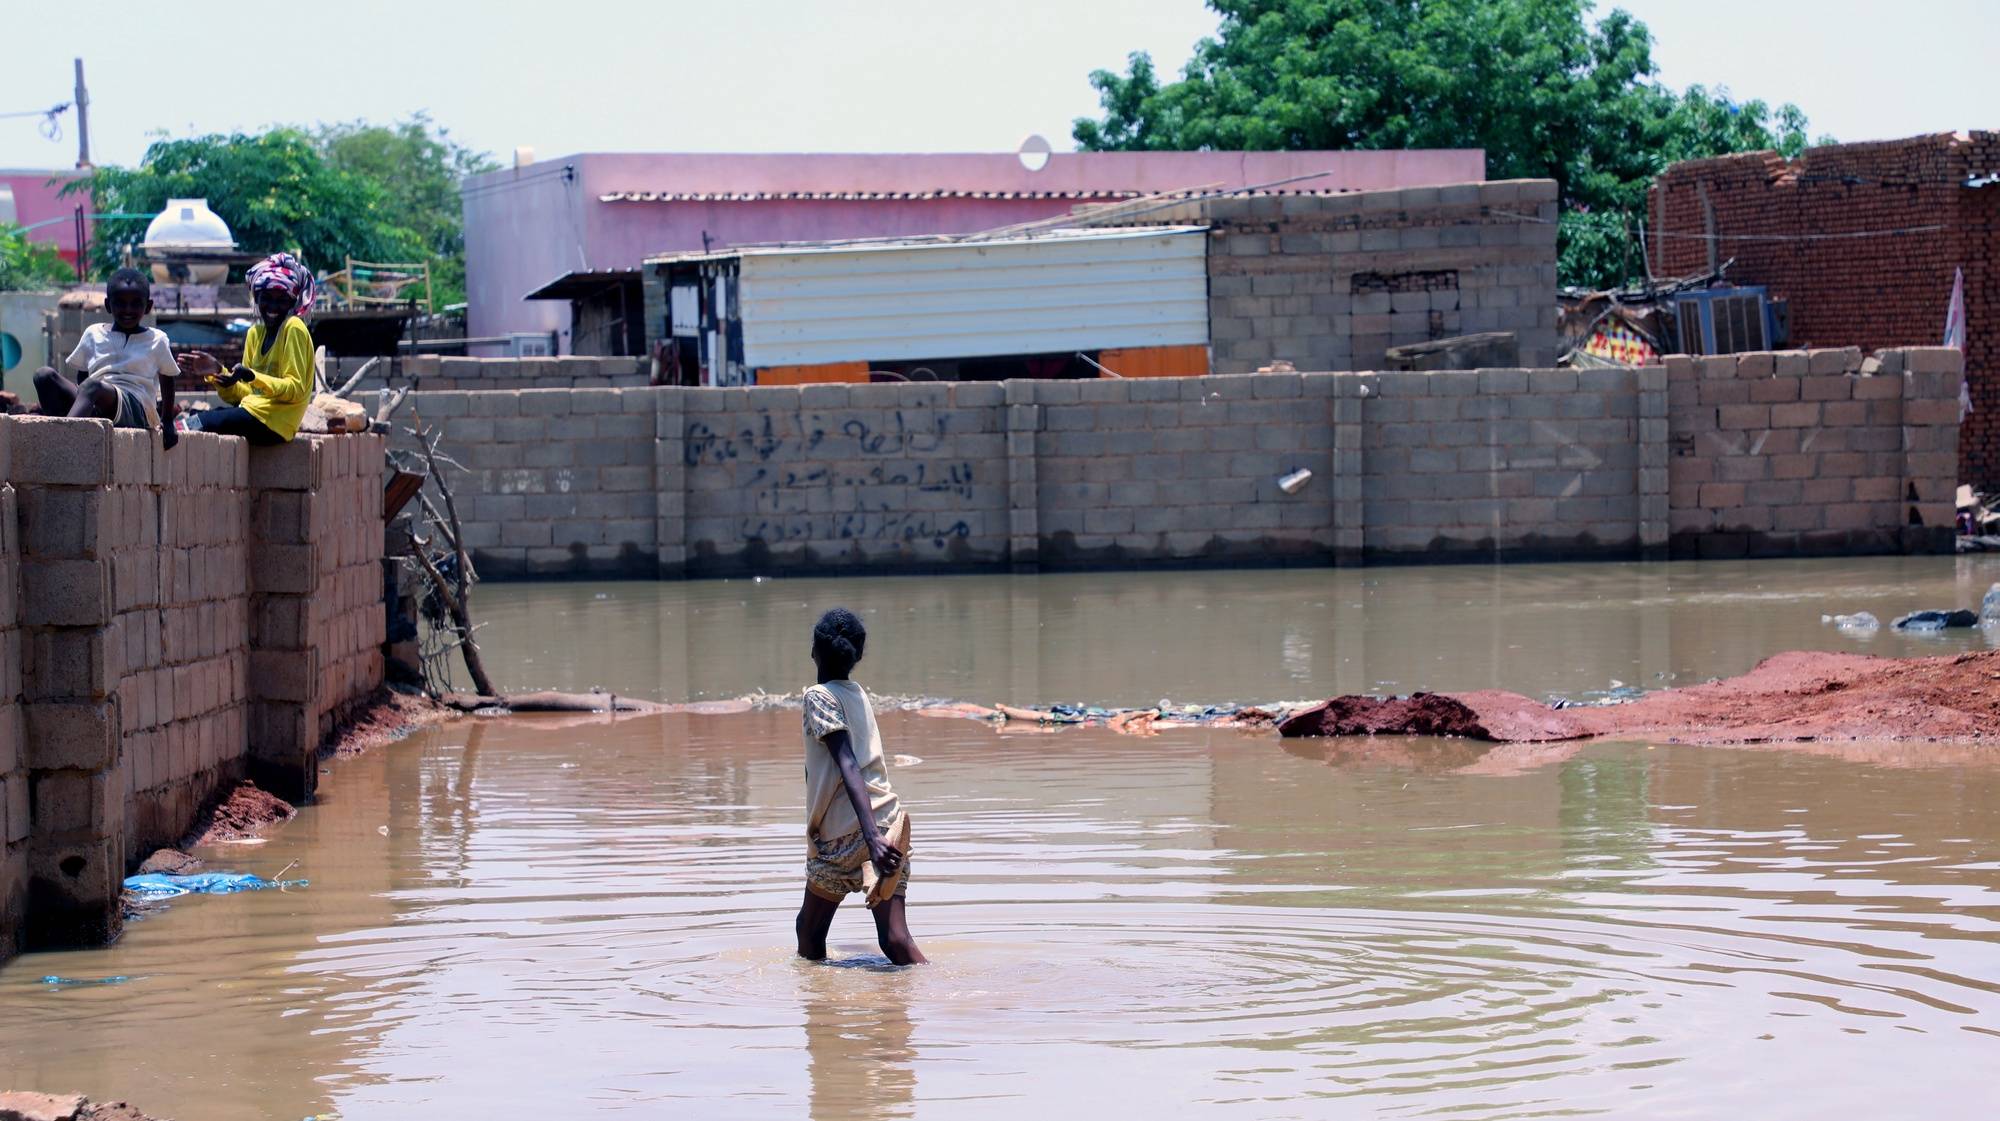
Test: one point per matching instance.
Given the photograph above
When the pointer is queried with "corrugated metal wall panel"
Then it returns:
(975, 300)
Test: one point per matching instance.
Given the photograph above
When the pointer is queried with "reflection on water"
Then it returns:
(1133, 638)
(574, 917)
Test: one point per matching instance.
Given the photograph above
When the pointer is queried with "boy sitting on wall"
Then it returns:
(121, 362)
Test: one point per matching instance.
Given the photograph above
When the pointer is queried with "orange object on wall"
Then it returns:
(1157, 361)
(820, 374)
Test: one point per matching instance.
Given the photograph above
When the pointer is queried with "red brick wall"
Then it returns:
(1813, 230)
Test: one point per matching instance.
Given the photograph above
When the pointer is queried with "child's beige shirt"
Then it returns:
(829, 813)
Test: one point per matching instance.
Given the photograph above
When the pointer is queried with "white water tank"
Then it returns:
(189, 224)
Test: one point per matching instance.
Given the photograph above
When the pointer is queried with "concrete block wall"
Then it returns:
(1484, 464)
(909, 476)
(173, 529)
(1819, 451)
(446, 373)
(317, 621)
(1331, 282)
(555, 482)
(14, 808)
(1182, 468)
(130, 652)
(1444, 465)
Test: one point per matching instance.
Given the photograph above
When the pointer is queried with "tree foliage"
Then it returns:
(419, 165)
(276, 190)
(28, 265)
(371, 192)
(1544, 90)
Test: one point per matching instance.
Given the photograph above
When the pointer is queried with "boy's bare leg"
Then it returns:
(892, 933)
(54, 392)
(815, 919)
(169, 436)
(96, 400)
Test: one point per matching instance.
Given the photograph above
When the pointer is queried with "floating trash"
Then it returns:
(55, 982)
(1860, 622)
(158, 885)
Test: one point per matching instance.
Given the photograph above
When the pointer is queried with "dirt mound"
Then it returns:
(1798, 697)
(1804, 696)
(1420, 714)
(384, 718)
(244, 812)
(26, 1105)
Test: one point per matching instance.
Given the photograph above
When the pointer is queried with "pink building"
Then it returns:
(28, 197)
(594, 218)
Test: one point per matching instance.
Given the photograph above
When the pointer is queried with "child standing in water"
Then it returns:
(267, 393)
(851, 812)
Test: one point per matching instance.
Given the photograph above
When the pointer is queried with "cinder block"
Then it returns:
(1801, 415)
(79, 803)
(1757, 364)
(61, 523)
(65, 593)
(292, 466)
(82, 734)
(1774, 390)
(58, 451)
(66, 663)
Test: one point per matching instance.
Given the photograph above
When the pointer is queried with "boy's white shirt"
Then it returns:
(130, 362)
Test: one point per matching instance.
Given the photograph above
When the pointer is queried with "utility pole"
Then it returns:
(82, 119)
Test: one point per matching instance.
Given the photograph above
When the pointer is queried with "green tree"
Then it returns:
(28, 265)
(1546, 93)
(277, 191)
(419, 166)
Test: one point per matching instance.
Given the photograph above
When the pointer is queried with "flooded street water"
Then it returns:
(1246, 636)
(575, 916)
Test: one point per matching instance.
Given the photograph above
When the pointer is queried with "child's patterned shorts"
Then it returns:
(833, 869)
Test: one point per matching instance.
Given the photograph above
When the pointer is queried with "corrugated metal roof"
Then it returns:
(893, 196)
(923, 241)
(850, 196)
(891, 301)
(581, 282)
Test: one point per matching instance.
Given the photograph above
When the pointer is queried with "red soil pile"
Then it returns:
(1421, 714)
(1806, 696)
(30, 1106)
(384, 718)
(244, 812)
(1798, 697)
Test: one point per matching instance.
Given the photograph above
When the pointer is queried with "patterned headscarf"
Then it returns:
(282, 270)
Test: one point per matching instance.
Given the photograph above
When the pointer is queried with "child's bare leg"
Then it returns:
(169, 436)
(892, 933)
(96, 400)
(54, 392)
(815, 919)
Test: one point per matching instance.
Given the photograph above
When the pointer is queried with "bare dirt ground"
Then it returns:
(1796, 697)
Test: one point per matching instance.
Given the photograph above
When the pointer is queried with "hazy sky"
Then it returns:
(836, 75)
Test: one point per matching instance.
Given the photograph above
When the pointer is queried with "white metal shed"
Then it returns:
(1082, 289)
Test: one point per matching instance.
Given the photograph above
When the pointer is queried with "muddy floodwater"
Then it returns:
(580, 916)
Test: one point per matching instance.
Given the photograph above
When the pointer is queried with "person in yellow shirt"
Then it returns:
(267, 393)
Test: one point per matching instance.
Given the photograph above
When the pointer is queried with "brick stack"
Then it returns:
(317, 619)
(1862, 241)
(1331, 282)
(1800, 453)
(179, 576)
